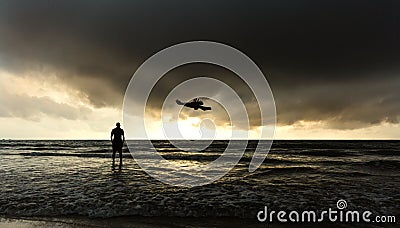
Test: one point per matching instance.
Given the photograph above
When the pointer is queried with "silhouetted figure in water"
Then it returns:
(117, 140)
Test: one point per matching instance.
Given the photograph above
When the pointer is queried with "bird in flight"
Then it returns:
(195, 104)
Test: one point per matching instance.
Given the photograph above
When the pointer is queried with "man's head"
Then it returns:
(117, 124)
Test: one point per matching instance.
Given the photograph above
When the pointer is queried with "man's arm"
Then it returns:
(123, 136)
(112, 133)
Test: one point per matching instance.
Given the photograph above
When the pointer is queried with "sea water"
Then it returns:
(66, 177)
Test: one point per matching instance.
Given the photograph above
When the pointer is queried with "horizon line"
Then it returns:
(142, 139)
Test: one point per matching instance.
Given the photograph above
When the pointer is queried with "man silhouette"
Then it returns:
(117, 142)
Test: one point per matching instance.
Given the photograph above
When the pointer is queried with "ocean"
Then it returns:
(68, 177)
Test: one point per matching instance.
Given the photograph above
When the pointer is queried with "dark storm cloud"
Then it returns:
(325, 60)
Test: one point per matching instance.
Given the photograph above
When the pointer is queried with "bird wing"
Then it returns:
(204, 108)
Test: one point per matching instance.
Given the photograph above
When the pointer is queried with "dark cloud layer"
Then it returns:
(325, 60)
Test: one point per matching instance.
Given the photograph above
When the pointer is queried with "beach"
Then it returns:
(132, 221)
(54, 182)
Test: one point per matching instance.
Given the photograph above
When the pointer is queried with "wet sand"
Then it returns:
(146, 222)
(129, 221)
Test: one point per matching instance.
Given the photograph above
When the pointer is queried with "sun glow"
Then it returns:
(45, 121)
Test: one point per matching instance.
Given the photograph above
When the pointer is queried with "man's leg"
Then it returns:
(113, 157)
(120, 157)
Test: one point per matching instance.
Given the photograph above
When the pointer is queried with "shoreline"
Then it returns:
(161, 221)
(126, 221)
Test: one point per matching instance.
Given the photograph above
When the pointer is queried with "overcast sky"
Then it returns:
(333, 66)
